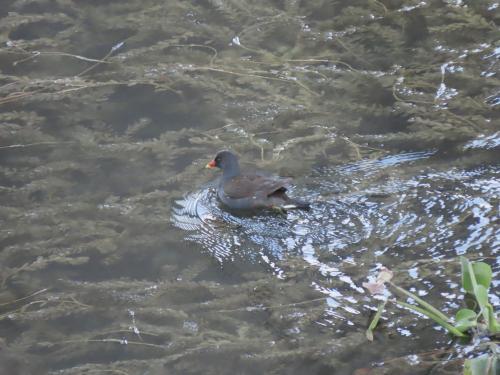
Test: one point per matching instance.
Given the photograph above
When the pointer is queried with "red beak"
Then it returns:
(211, 164)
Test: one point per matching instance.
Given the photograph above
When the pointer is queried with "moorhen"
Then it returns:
(245, 191)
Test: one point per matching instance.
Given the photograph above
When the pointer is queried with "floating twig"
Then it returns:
(34, 144)
(262, 308)
(23, 298)
(111, 51)
(212, 59)
(255, 76)
(115, 341)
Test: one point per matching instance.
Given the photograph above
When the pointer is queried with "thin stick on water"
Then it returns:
(35, 54)
(103, 370)
(23, 298)
(201, 68)
(34, 144)
(263, 308)
(212, 59)
(116, 341)
(111, 51)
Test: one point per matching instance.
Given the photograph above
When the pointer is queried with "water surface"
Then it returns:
(116, 256)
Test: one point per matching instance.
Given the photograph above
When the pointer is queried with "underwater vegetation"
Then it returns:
(115, 256)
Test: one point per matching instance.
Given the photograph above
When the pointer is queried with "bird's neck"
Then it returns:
(232, 170)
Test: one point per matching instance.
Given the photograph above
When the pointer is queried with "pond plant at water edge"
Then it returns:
(476, 324)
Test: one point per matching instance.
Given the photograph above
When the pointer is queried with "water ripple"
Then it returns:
(409, 214)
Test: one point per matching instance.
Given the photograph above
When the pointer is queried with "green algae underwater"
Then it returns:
(115, 255)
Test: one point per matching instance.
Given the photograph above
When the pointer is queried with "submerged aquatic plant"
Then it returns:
(99, 138)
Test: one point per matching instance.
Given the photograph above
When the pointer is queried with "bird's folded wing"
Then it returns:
(248, 186)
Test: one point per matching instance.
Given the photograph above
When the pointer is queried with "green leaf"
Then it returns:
(465, 314)
(481, 295)
(483, 274)
(482, 365)
(466, 280)
(465, 319)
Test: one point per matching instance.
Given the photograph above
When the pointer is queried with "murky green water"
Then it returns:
(115, 255)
